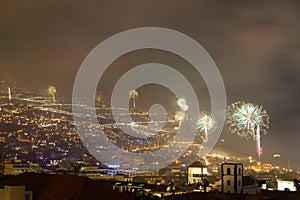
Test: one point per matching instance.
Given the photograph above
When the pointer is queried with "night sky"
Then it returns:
(255, 44)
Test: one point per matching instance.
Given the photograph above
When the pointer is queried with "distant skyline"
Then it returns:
(255, 44)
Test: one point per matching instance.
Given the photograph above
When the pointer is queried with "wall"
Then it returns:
(199, 172)
(12, 193)
(232, 177)
(282, 185)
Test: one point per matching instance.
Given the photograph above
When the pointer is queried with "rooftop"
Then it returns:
(51, 187)
(197, 164)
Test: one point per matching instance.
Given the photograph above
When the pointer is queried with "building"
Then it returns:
(53, 186)
(120, 177)
(18, 167)
(89, 169)
(97, 176)
(151, 180)
(140, 188)
(128, 187)
(284, 184)
(15, 193)
(92, 172)
(196, 172)
(1, 167)
(232, 177)
(127, 172)
(250, 185)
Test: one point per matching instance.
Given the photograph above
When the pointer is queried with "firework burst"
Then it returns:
(181, 102)
(52, 92)
(205, 124)
(248, 120)
(133, 94)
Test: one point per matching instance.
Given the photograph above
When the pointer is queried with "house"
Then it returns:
(284, 184)
(196, 172)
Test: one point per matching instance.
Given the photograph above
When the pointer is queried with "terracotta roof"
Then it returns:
(51, 187)
(197, 164)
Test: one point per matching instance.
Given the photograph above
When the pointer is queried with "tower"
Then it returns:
(232, 178)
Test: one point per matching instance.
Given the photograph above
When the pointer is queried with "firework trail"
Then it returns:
(179, 116)
(133, 95)
(52, 92)
(181, 102)
(248, 120)
(9, 94)
(205, 124)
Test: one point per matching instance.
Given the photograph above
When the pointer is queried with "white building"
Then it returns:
(286, 185)
(196, 172)
(232, 177)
